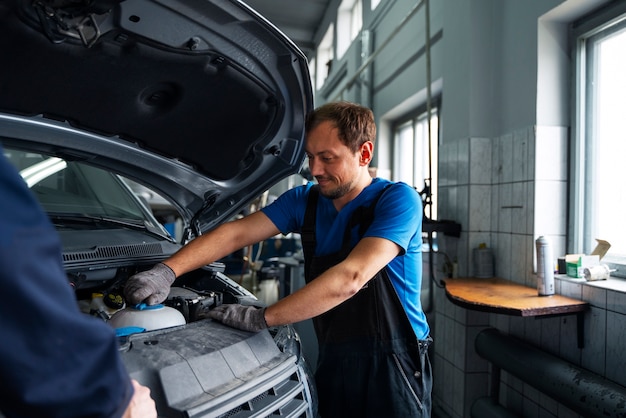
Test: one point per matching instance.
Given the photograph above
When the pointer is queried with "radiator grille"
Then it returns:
(287, 398)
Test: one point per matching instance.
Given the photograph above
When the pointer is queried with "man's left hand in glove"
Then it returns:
(247, 318)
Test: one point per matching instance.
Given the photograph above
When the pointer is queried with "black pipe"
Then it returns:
(581, 390)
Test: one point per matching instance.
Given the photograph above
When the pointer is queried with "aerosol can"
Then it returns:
(545, 268)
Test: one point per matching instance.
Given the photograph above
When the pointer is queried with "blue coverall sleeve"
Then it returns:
(54, 360)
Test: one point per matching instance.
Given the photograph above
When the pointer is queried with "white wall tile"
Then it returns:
(532, 331)
(531, 393)
(520, 155)
(458, 340)
(480, 161)
(505, 214)
(568, 340)
(616, 301)
(594, 350)
(476, 386)
(477, 319)
(550, 332)
(495, 207)
(519, 207)
(453, 163)
(532, 143)
(519, 258)
(443, 165)
(496, 160)
(506, 150)
(530, 207)
(529, 407)
(572, 289)
(463, 161)
(503, 256)
(463, 258)
(596, 296)
(479, 208)
(549, 405)
(615, 343)
(462, 211)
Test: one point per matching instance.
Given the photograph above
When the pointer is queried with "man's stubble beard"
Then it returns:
(337, 192)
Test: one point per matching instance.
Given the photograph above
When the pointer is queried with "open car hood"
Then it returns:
(202, 100)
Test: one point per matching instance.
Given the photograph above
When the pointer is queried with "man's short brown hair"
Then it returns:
(354, 122)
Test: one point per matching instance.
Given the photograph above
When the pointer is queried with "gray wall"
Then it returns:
(501, 68)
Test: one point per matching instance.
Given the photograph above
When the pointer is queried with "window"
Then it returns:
(415, 157)
(324, 57)
(374, 4)
(349, 24)
(312, 71)
(71, 189)
(599, 195)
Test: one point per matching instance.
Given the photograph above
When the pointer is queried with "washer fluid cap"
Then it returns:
(149, 317)
(145, 307)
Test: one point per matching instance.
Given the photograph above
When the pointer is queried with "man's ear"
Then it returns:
(367, 152)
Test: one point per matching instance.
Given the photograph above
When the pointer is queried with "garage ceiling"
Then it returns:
(298, 19)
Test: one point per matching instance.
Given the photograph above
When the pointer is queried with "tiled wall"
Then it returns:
(505, 192)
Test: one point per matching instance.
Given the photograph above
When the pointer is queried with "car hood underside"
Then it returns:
(202, 100)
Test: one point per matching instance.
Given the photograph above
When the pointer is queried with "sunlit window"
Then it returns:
(349, 24)
(312, 71)
(324, 57)
(599, 198)
(415, 158)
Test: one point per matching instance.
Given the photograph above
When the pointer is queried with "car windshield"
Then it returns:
(68, 188)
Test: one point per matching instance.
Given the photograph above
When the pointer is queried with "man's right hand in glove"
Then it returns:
(151, 286)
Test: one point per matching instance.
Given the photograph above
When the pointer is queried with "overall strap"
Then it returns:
(362, 216)
(307, 234)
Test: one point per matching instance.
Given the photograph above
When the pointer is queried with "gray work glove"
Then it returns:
(151, 286)
(247, 318)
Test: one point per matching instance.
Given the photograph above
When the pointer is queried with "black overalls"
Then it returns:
(370, 362)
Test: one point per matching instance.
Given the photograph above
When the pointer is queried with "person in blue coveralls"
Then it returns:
(54, 360)
(362, 244)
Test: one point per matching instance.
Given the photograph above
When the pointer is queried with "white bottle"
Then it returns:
(545, 268)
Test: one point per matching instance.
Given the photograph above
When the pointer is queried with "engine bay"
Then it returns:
(192, 296)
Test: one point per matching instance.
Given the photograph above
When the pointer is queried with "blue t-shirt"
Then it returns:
(397, 217)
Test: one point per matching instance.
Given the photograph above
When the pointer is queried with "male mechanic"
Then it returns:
(362, 244)
(54, 360)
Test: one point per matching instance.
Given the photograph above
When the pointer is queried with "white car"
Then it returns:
(202, 101)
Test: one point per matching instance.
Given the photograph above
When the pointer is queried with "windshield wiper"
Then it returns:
(138, 225)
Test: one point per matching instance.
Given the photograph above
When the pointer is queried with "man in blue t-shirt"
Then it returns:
(362, 246)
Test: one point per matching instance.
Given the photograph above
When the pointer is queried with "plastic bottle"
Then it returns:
(545, 268)
(97, 307)
(483, 262)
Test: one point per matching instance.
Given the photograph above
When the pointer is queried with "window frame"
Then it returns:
(588, 29)
(417, 117)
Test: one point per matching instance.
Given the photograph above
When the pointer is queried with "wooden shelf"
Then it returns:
(502, 296)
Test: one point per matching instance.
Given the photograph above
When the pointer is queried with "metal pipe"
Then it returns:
(581, 390)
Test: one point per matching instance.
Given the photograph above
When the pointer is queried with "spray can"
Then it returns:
(545, 268)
